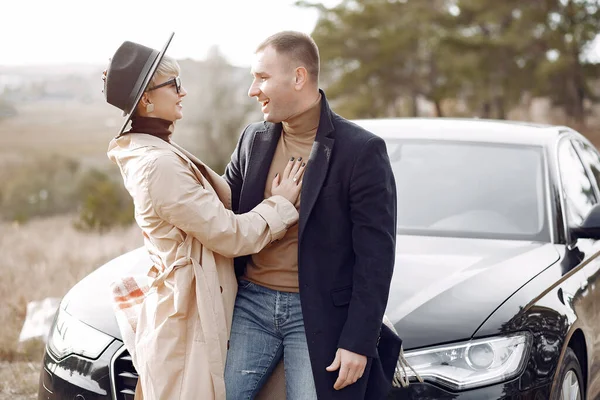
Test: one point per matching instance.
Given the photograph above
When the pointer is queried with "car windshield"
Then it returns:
(466, 189)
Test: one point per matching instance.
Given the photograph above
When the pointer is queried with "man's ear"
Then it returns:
(301, 77)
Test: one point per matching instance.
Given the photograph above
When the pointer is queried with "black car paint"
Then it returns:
(557, 300)
(504, 391)
(76, 375)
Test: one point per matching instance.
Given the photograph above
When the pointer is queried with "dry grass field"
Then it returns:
(45, 257)
(18, 380)
(59, 128)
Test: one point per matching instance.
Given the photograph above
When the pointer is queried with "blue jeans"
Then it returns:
(267, 324)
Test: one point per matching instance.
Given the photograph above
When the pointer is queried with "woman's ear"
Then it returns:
(145, 105)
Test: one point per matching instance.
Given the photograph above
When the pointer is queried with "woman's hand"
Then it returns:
(289, 183)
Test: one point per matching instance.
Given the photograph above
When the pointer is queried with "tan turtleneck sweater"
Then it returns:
(276, 266)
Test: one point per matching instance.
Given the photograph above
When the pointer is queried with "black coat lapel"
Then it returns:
(263, 148)
(318, 164)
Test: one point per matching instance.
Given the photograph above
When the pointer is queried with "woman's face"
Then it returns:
(165, 97)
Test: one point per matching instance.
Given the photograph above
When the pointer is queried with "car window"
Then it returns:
(578, 190)
(469, 189)
(591, 159)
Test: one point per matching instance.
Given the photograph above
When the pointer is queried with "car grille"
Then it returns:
(124, 377)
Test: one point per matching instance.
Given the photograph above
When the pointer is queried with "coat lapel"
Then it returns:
(318, 165)
(263, 148)
(216, 181)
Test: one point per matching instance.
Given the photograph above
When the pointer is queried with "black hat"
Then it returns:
(128, 75)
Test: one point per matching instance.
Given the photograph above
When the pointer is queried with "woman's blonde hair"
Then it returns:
(167, 67)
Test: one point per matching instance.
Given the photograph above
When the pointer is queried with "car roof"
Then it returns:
(465, 129)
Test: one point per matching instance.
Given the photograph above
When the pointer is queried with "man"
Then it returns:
(317, 296)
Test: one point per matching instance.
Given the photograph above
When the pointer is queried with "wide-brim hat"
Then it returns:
(129, 74)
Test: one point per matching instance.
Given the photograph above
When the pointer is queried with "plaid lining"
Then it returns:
(128, 295)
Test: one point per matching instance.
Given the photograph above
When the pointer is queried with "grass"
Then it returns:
(61, 127)
(18, 380)
(44, 258)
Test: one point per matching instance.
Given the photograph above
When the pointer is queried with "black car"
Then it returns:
(497, 280)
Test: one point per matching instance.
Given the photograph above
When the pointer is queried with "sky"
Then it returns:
(42, 32)
(56, 32)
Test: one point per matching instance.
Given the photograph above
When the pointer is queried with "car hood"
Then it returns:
(443, 289)
(90, 299)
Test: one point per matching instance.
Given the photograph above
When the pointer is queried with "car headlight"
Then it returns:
(68, 336)
(472, 364)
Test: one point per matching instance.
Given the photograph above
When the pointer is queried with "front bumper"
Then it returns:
(76, 377)
(501, 391)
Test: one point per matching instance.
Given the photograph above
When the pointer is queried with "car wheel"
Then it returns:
(569, 382)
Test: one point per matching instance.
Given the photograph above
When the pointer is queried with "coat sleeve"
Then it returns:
(373, 212)
(180, 199)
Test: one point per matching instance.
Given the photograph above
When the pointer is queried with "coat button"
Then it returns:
(228, 345)
(221, 289)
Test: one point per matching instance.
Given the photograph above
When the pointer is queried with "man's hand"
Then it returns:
(351, 366)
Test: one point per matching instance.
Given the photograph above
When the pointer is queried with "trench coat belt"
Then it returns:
(210, 324)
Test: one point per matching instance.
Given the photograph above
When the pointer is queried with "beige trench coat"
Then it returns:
(176, 324)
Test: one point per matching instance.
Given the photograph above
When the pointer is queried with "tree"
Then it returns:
(492, 37)
(379, 55)
(535, 46)
(221, 108)
(564, 74)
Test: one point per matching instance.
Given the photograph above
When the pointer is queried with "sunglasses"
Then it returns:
(175, 81)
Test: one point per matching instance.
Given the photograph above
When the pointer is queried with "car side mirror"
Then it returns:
(590, 228)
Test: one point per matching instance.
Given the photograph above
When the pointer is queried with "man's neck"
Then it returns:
(306, 120)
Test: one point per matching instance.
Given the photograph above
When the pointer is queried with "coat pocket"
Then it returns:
(341, 296)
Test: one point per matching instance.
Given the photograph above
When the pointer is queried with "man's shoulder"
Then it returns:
(350, 131)
(250, 129)
(254, 127)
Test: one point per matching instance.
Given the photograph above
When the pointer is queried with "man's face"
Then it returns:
(273, 85)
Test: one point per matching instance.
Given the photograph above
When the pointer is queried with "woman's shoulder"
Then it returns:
(161, 158)
(148, 158)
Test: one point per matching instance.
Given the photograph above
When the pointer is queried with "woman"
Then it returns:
(176, 325)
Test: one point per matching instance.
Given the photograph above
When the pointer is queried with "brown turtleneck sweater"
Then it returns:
(158, 127)
(276, 266)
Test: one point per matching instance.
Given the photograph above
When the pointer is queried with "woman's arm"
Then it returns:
(180, 199)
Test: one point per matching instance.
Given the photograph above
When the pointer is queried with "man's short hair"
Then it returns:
(299, 46)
